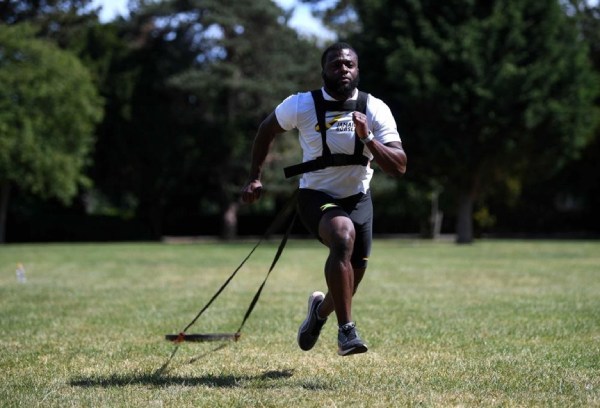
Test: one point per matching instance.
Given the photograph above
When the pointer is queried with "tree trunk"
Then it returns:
(436, 217)
(464, 219)
(230, 221)
(4, 196)
(155, 216)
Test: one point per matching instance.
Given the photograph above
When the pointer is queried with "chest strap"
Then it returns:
(327, 159)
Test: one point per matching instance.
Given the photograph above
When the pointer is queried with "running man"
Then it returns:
(340, 131)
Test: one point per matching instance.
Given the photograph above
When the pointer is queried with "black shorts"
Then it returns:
(312, 204)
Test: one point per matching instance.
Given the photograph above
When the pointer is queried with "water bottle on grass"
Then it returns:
(21, 273)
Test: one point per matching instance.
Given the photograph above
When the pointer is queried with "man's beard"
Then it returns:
(346, 89)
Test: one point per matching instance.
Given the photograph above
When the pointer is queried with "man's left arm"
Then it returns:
(390, 157)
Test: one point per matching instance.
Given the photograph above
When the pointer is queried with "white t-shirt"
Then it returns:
(298, 112)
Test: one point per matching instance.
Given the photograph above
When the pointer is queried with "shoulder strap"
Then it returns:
(320, 110)
(361, 106)
(361, 102)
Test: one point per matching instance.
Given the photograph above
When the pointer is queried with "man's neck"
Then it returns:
(339, 97)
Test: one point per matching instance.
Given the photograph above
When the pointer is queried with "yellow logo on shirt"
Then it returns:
(329, 124)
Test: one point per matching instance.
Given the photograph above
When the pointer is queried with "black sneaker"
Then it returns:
(349, 342)
(309, 331)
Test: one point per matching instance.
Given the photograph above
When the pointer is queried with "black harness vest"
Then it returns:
(327, 159)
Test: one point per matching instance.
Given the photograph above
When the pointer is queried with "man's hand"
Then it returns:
(360, 123)
(251, 191)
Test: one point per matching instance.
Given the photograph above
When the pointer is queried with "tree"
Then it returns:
(49, 107)
(208, 72)
(14, 12)
(60, 20)
(579, 182)
(488, 93)
(249, 70)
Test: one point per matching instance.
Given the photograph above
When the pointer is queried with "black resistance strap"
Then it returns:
(327, 159)
(283, 214)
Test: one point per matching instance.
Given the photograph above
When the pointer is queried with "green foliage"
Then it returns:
(485, 90)
(488, 95)
(339, 15)
(492, 98)
(206, 73)
(49, 107)
(63, 21)
(580, 180)
(587, 16)
(242, 76)
(14, 12)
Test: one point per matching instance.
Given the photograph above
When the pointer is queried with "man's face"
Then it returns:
(340, 72)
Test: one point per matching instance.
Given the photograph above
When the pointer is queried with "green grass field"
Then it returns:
(497, 323)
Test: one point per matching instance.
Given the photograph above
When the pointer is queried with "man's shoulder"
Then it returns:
(301, 101)
(374, 99)
(294, 109)
(299, 97)
(375, 104)
(307, 95)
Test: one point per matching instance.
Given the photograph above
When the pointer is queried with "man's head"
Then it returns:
(339, 64)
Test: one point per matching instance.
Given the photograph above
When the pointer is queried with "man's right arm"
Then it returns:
(263, 141)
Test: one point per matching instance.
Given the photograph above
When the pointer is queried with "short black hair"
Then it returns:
(338, 46)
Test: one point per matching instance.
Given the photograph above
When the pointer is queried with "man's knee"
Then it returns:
(342, 243)
(339, 235)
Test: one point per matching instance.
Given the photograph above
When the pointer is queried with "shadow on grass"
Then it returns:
(160, 379)
(224, 381)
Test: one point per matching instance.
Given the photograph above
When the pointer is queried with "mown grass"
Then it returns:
(497, 323)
